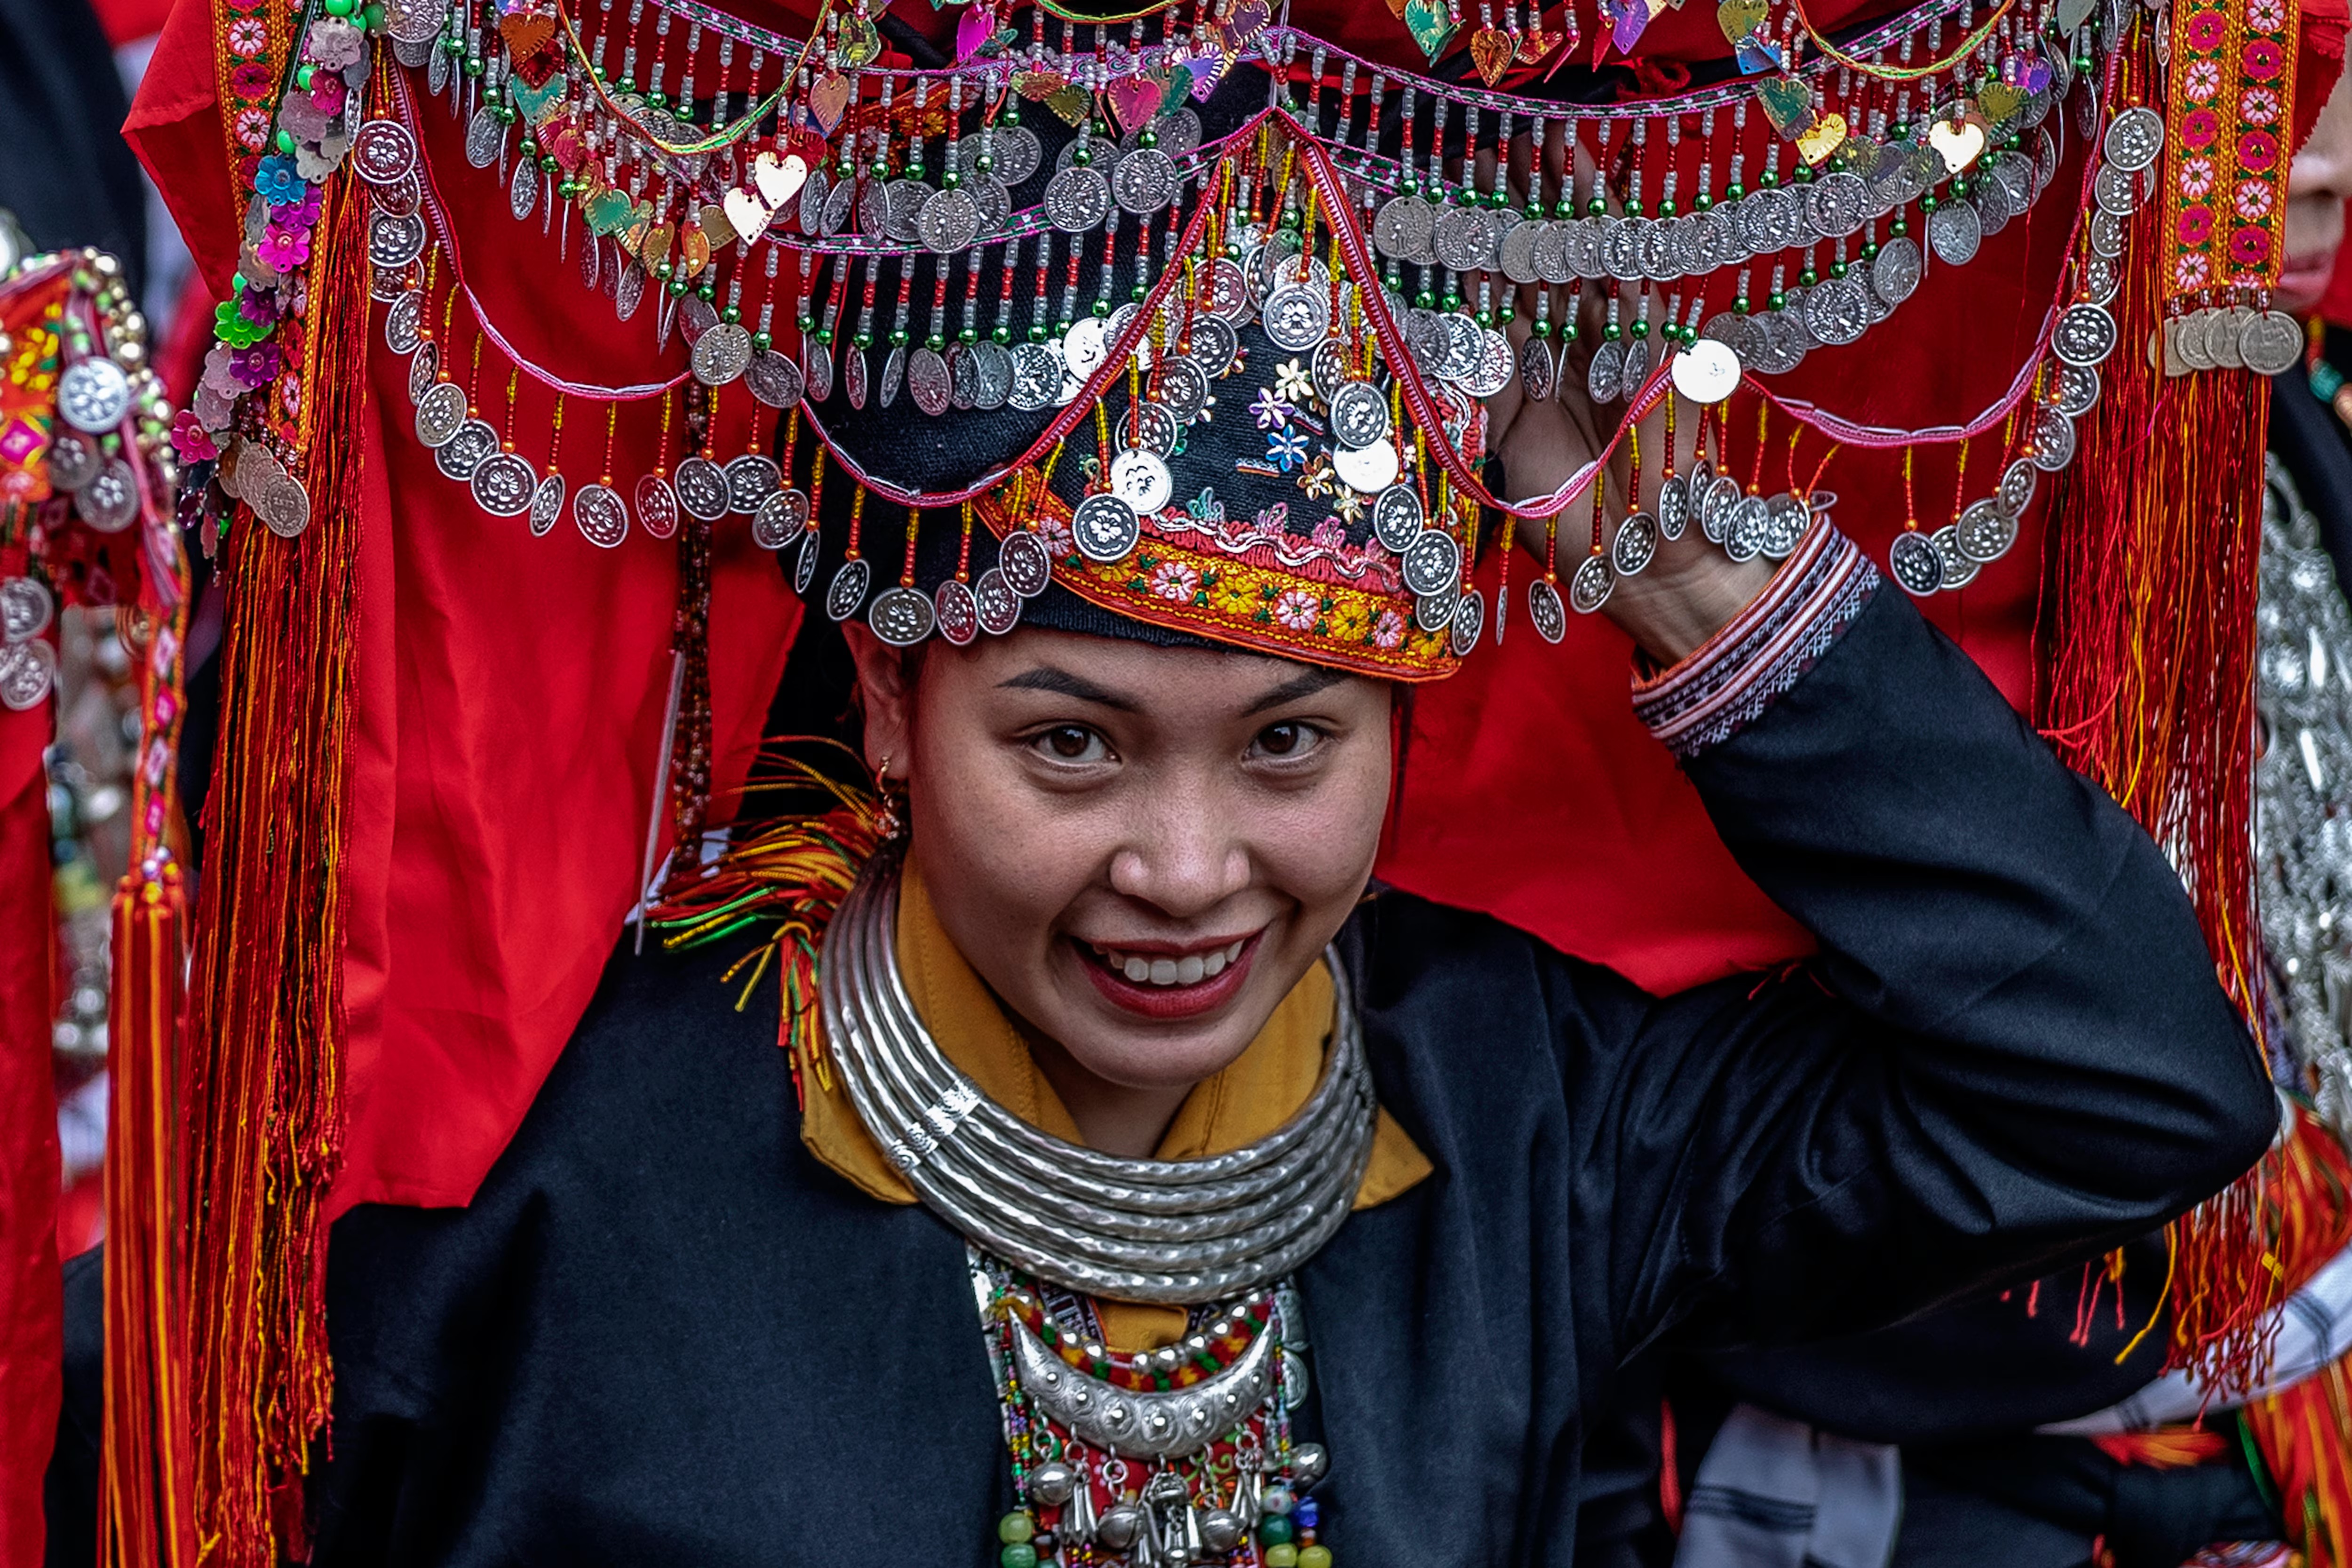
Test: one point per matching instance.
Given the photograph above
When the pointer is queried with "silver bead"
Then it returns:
(1122, 1524)
(1309, 1463)
(1221, 1529)
(1052, 1483)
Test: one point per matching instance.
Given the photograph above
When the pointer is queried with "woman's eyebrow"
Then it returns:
(1051, 678)
(1305, 683)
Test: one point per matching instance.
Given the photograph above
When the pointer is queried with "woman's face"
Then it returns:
(2318, 182)
(1139, 849)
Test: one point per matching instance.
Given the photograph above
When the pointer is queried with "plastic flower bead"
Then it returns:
(232, 326)
(303, 213)
(277, 182)
(1271, 411)
(284, 249)
(1285, 449)
(327, 92)
(256, 366)
(191, 439)
(1294, 381)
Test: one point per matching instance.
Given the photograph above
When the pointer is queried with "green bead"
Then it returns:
(285, 142)
(1666, 208)
(1808, 278)
(1314, 1557)
(1137, 292)
(1276, 1530)
(1542, 329)
(1285, 1557)
(764, 342)
(936, 341)
(373, 16)
(1000, 334)
(474, 66)
(825, 336)
(302, 75)
(1102, 307)
(1020, 1555)
(897, 337)
(731, 315)
(1641, 329)
(1927, 202)
(1869, 253)
(1837, 269)
(342, 7)
(1739, 306)
(1703, 202)
(1016, 1527)
(864, 339)
(967, 335)
(656, 98)
(1733, 191)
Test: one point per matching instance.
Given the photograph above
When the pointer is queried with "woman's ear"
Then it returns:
(885, 691)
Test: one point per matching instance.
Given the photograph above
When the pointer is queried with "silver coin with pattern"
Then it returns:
(628, 291)
(721, 354)
(781, 518)
(1837, 205)
(74, 458)
(929, 382)
(1359, 414)
(656, 506)
(1435, 612)
(903, 200)
(1141, 479)
(2117, 190)
(1432, 564)
(2134, 137)
(1913, 562)
(1717, 512)
(2018, 482)
(1550, 253)
(1151, 427)
(26, 607)
(752, 479)
(547, 505)
(414, 21)
(2053, 440)
(2098, 278)
(816, 192)
(805, 560)
(2106, 234)
(1589, 586)
(1894, 270)
(702, 489)
(382, 152)
(1781, 216)
(1545, 611)
(774, 379)
(1985, 530)
(1954, 233)
(1404, 228)
(846, 591)
(1144, 182)
(2046, 161)
(522, 190)
(394, 241)
(1517, 253)
(1786, 519)
(1077, 199)
(1685, 253)
(1216, 346)
(1959, 569)
(93, 394)
(1026, 564)
(1102, 152)
(957, 611)
(995, 203)
(485, 137)
(1469, 620)
(855, 377)
(1621, 247)
(998, 606)
(1016, 150)
(950, 222)
(2270, 342)
(436, 73)
(404, 322)
(1991, 199)
(1635, 544)
(1777, 341)
(991, 373)
(816, 371)
(2075, 389)
(696, 316)
(414, 56)
(1836, 310)
(27, 672)
(1495, 366)
(2013, 173)
(1655, 250)
(1603, 376)
(1539, 373)
(110, 502)
(1634, 369)
(1673, 510)
(2221, 339)
(2085, 335)
(503, 484)
(1743, 537)
(1183, 387)
(1899, 176)
(601, 517)
(1733, 331)
(1462, 239)
(1397, 518)
(1296, 317)
(1037, 372)
(840, 203)
(463, 452)
(902, 616)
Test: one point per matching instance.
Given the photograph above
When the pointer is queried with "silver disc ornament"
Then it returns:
(2053, 440)
(702, 489)
(928, 381)
(902, 616)
(110, 502)
(1144, 181)
(26, 607)
(752, 479)
(2076, 389)
(1545, 611)
(1673, 510)
(93, 396)
(1985, 532)
(2134, 137)
(1894, 271)
(1959, 568)
(950, 222)
(2270, 342)
(656, 506)
(1432, 564)
(1106, 528)
(957, 611)
(1139, 478)
(1077, 199)
(404, 321)
(1954, 233)
(395, 239)
(2017, 483)
(503, 484)
(1913, 562)
(547, 505)
(1469, 620)
(1397, 518)
(774, 379)
(1026, 561)
(846, 591)
(805, 560)
(781, 518)
(1402, 228)
(27, 671)
(721, 353)
(439, 413)
(1603, 377)
(1296, 317)
(1359, 414)
(601, 517)
(1538, 375)
(459, 455)
(2085, 335)
(1786, 519)
(1589, 586)
(382, 152)
(998, 606)
(1635, 544)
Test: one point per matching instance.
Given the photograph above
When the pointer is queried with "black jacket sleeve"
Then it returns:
(2011, 1052)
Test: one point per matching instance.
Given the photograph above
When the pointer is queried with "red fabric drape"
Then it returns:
(29, 1300)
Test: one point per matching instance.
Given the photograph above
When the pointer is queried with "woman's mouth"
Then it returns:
(1167, 981)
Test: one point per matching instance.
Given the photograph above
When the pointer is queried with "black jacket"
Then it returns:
(663, 1332)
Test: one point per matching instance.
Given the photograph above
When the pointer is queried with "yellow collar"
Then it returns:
(1247, 1100)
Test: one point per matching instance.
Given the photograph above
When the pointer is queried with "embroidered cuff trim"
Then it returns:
(1726, 684)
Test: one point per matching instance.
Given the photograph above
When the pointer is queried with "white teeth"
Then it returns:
(1190, 970)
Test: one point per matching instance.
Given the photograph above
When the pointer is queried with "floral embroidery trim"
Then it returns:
(1725, 685)
(2228, 122)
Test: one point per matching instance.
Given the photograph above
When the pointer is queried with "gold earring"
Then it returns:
(891, 820)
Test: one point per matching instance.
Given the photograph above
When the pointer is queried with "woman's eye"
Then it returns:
(1287, 741)
(1073, 743)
